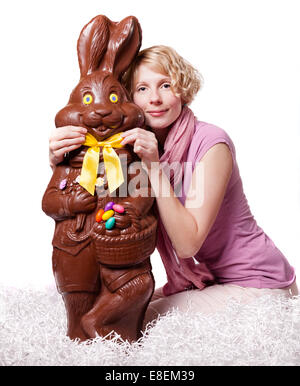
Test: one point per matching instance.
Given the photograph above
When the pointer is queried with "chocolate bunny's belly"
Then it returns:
(133, 238)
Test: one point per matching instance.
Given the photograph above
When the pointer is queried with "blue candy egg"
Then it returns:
(110, 223)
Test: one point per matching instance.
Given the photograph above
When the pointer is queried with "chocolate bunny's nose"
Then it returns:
(103, 112)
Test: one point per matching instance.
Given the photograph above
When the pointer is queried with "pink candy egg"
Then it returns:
(63, 184)
(118, 208)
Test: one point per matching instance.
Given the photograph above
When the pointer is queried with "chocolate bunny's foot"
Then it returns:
(77, 304)
(121, 306)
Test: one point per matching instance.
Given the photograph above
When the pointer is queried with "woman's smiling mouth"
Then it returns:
(157, 113)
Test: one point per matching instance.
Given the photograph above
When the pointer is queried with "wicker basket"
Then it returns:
(126, 249)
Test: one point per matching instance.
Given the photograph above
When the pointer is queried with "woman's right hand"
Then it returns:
(63, 140)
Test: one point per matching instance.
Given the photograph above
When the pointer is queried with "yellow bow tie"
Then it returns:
(112, 163)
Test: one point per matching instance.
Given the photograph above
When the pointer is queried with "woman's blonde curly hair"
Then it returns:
(186, 81)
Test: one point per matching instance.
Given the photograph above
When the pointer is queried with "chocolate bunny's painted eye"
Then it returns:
(87, 99)
(113, 98)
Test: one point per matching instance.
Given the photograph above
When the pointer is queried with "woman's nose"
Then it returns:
(155, 98)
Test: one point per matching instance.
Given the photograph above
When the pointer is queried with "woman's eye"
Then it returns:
(166, 85)
(142, 88)
(113, 98)
(87, 99)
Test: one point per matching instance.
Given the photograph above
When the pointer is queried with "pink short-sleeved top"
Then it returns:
(236, 250)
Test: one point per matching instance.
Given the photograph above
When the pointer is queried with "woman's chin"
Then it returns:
(157, 124)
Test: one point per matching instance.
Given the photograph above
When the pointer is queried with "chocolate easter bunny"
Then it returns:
(103, 272)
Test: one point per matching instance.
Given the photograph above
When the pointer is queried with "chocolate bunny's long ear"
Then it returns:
(92, 44)
(124, 44)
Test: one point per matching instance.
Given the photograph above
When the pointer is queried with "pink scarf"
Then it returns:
(181, 273)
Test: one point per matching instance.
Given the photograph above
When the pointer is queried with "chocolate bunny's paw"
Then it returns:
(81, 201)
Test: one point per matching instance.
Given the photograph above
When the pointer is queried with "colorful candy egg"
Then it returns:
(110, 223)
(99, 215)
(109, 206)
(108, 214)
(63, 184)
(118, 208)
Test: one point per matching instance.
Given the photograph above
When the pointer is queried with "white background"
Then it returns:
(248, 53)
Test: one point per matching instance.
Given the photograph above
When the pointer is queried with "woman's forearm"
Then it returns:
(189, 225)
(181, 226)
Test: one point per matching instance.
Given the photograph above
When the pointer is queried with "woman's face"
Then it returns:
(152, 93)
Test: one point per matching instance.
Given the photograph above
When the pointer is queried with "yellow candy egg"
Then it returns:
(108, 214)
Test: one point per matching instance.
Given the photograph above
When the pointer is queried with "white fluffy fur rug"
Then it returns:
(265, 332)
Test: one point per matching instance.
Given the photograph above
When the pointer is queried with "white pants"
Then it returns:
(210, 299)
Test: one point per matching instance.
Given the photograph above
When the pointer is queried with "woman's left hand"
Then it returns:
(144, 143)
